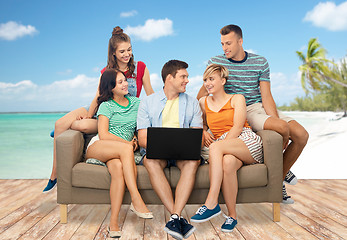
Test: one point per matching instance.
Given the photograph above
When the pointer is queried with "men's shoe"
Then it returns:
(290, 178)
(186, 228)
(286, 199)
(50, 185)
(204, 214)
(229, 225)
(173, 227)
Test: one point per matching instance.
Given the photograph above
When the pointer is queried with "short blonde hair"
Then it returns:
(224, 73)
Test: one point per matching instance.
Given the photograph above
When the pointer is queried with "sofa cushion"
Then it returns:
(94, 176)
(248, 176)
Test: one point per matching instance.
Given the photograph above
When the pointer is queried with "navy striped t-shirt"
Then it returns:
(245, 75)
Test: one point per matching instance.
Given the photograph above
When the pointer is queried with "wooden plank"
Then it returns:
(20, 198)
(133, 227)
(91, 224)
(203, 230)
(76, 216)
(321, 207)
(102, 232)
(306, 192)
(15, 190)
(308, 224)
(218, 221)
(154, 227)
(29, 220)
(23, 211)
(329, 187)
(337, 203)
(260, 224)
(287, 224)
(320, 219)
(45, 225)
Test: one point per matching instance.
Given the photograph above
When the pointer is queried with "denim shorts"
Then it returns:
(172, 162)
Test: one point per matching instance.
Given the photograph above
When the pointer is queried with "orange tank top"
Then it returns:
(222, 121)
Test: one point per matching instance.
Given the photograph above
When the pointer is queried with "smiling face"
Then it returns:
(214, 82)
(121, 88)
(232, 46)
(180, 81)
(123, 52)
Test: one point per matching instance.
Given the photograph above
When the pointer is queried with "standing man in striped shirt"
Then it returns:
(249, 75)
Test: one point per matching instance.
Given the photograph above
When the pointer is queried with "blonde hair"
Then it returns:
(224, 73)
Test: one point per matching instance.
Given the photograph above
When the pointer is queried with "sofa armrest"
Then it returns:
(273, 155)
(69, 151)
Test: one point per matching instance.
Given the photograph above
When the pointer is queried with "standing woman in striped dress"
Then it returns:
(231, 143)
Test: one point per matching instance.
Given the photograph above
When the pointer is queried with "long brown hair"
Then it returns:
(108, 82)
(118, 37)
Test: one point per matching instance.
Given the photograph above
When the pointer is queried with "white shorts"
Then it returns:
(93, 140)
(250, 138)
(256, 116)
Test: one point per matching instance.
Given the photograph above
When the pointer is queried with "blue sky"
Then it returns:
(51, 52)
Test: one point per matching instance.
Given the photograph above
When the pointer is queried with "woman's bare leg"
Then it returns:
(117, 189)
(104, 150)
(61, 125)
(235, 147)
(230, 185)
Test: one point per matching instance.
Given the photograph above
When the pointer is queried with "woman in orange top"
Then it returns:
(231, 144)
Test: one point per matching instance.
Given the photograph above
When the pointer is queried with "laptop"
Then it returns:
(173, 143)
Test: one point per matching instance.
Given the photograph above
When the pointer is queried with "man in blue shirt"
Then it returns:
(171, 107)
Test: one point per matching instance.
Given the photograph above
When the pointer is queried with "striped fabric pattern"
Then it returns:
(245, 75)
(122, 120)
(252, 141)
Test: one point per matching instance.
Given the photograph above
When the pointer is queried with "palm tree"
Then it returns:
(315, 68)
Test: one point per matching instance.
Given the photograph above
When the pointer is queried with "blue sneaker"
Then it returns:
(229, 224)
(186, 228)
(204, 214)
(50, 185)
(173, 227)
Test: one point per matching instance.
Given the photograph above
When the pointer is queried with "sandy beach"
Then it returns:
(325, 155)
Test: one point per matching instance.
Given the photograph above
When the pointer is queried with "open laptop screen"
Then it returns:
(174, 143)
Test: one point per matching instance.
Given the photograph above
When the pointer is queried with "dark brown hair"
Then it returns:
(108, 82)
(171, 67)
(118, 37)
(231, 28)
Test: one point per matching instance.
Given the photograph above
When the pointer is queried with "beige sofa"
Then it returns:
(82, 183)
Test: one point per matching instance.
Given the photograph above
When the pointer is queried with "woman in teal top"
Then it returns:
(115, 143)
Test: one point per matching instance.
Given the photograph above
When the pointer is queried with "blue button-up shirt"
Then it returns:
(151, 111)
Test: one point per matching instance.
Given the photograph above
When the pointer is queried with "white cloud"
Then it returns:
(194, 85)
(284, 89)
(329, 15)
(66, 72)
(12, 30)
(128, 14)
(251, 51)
(62, 95)
(152, 29)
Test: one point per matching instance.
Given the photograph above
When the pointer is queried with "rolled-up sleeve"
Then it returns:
(143, 119)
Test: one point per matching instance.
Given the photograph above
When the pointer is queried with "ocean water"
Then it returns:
(26, 148)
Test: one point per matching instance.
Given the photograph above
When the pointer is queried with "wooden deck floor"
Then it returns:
(319, 212)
